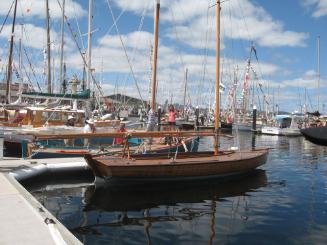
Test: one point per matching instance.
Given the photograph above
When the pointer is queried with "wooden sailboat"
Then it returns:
(182, 166)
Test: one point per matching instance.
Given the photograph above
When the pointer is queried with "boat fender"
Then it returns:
(234, 148)
(185, 147)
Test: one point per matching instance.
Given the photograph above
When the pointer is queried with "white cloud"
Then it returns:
(190, 22)
(239, 20)
(307, 81)
(35, 37)
(319, 7)
(139, 40)
(136, 6)
(108, 55)
(36, 8)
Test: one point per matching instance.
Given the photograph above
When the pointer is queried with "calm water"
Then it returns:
(284, 202)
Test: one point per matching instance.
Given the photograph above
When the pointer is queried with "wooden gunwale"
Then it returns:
(154, 134)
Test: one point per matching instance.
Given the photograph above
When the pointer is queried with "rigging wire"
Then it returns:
(31, 67)
(25, 33)
(24, 68)
(97, 85)
(5, 20)
(117, 19)
(134, 49)
(125, 51)
(208, 34)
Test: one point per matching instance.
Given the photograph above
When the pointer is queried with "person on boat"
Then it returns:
(122, 129)
(202, 119)
(320, 123)
(151, 124)
(172, 117)
(89, 128)
(151, 121)
(229, 118)
(70, 123)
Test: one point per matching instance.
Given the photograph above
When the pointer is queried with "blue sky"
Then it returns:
(284, 33)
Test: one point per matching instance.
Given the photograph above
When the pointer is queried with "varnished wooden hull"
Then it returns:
(160, 167)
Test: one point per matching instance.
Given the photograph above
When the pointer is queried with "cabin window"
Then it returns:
(51, 116)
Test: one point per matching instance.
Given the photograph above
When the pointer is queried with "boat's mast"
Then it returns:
(318, 73)
(184, 101)
(48, 46)
(89, 46)
(9, 69)
(217, 75)
(61, 77)
(155, 55)
(21, 59)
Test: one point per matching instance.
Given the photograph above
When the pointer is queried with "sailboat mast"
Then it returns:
(9, 69)
(217, 75)
(184, 100)
(318, 73)
(89, 41)
(155, 56)
(61, 77)
(48, 46)
(21, 59)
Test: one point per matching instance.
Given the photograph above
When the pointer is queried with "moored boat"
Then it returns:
(186, 166)
(317, 135)
(285, 125)
(178, 166)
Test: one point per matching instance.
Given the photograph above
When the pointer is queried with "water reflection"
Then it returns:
(135, 198)
(142, 206)
(284, 204)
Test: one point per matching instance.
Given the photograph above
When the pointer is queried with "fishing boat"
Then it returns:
(179, 166)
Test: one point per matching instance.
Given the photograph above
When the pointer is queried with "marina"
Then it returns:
(287, 195)
(162, 122)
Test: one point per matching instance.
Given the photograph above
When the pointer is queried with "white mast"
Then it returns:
(89, 46)
(185, 86)
(48, 46)
(318, 73)
(61, 77)
(9, 67)
(20, 65)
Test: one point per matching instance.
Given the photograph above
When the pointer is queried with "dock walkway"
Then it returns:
(23, 220)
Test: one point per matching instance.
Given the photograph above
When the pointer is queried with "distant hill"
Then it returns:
(125, 99)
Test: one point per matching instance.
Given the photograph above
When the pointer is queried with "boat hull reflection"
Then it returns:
(139, 197)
